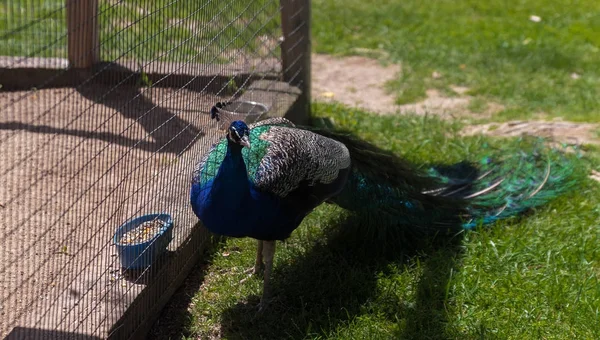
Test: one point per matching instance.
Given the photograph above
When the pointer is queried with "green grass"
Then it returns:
(491, 47)
(537, 277)
(28, 29)
(201, 32)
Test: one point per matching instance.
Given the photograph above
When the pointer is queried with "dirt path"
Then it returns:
(572, 133)
(360, 82)
(354, 81)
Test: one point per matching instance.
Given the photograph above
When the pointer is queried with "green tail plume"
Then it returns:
(455, 197)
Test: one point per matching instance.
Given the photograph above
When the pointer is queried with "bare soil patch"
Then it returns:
(572, 133)
(353, 81)
(360, 82)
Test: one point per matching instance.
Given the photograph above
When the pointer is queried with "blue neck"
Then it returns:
(231, 183)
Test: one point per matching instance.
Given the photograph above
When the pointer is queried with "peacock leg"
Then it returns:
(258, 263)
(268, 254)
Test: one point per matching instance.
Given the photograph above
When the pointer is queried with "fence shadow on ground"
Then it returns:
(170, 132)
(167, 132)
(22, 333)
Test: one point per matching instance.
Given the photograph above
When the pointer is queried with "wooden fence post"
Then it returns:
(296, 47)
(82, 31)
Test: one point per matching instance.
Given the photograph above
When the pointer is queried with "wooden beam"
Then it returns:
(296, 47)
(23, 74)
(82, 31)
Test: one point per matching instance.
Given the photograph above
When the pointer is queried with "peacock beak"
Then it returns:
(245, 141)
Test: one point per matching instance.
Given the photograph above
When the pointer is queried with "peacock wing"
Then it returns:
(273, 121)
(283, 158)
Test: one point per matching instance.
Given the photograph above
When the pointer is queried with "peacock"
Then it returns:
(261, 180)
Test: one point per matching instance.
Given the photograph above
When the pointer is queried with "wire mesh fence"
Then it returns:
(104, 114)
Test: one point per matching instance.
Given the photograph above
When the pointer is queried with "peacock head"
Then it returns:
(239, 133)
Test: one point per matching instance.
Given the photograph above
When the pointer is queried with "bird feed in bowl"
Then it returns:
(143, 233)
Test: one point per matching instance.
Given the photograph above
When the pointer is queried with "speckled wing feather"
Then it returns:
(296, 156)
(268, 167)
(272, 121)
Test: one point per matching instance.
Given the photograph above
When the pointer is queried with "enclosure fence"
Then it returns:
(104, 113)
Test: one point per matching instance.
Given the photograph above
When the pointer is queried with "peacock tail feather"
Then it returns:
(455, 197)
(512, 183)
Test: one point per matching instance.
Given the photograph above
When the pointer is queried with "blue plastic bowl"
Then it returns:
(142, 255)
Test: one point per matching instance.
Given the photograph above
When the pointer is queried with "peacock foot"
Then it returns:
(257, 269)
(266, 303)
(259, 265)
(262, 307)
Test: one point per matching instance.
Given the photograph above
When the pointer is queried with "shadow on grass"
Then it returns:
(335, 282)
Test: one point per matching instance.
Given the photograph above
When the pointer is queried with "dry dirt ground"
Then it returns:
(360, 82)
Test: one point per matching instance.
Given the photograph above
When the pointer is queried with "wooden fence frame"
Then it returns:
(84, 43)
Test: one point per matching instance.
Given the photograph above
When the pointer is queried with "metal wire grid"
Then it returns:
(80, 166)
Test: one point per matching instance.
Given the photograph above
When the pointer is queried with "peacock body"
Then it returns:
(261, 180)
(264, 187)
